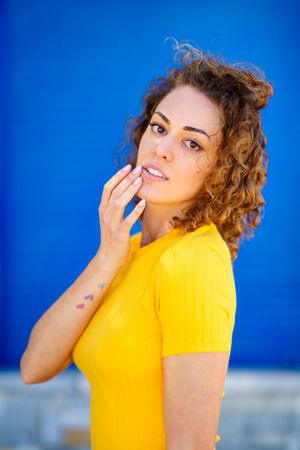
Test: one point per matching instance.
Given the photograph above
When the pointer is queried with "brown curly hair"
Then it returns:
(231, 193)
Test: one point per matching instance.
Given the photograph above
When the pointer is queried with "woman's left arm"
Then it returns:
(195, 302)
(193, 387)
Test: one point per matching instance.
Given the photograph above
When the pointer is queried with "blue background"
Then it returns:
(74, 73)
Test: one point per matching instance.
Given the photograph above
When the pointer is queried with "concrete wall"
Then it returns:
(260, 411)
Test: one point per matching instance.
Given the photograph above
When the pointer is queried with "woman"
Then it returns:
(150, 320)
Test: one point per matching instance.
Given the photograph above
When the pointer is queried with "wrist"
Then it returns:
(102, 261)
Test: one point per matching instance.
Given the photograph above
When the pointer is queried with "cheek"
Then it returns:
(187, 181)
(143, 145)
(191, 168)
(192, 176)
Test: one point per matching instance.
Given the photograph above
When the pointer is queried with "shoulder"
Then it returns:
(200, 262)
(197, 249)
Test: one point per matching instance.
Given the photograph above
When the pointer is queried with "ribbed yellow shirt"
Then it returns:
(174, 295)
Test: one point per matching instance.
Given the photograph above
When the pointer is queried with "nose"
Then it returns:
(163, 149)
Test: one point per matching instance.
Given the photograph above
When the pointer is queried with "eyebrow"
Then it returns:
(187, 128)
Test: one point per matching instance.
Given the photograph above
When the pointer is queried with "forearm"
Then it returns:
(57, 331)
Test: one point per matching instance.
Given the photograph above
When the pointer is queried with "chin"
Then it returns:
(154, 199)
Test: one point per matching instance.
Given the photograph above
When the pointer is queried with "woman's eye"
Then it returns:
(197, 148)
(155, 124)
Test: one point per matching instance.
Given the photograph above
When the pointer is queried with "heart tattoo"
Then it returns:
(81, 306)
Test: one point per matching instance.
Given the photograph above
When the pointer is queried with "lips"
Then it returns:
(152, 166)
(149, 176)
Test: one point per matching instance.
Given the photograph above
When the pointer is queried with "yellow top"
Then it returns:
(174, 295)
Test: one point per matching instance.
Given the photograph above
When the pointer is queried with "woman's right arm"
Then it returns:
(55, 334)
(57, 331)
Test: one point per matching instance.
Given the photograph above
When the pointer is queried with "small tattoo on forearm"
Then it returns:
(90, 296)
(81, 306)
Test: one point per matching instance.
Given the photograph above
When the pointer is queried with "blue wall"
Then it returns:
(75, 72)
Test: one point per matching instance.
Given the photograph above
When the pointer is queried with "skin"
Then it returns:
(90, 296)
(176, 153)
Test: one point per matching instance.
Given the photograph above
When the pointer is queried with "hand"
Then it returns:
(115, 230)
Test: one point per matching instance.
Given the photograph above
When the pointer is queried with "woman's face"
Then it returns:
(184, 156)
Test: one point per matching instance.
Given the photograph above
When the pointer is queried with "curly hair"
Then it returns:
(231, 194)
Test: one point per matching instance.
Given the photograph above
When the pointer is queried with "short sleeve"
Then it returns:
(194, 298)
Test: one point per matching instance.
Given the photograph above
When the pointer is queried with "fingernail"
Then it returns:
(126, 168)
(137, 169)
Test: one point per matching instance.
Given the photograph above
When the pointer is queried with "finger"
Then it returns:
(123, 185)
(112, 183)
(134, 215)
(120, 204)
